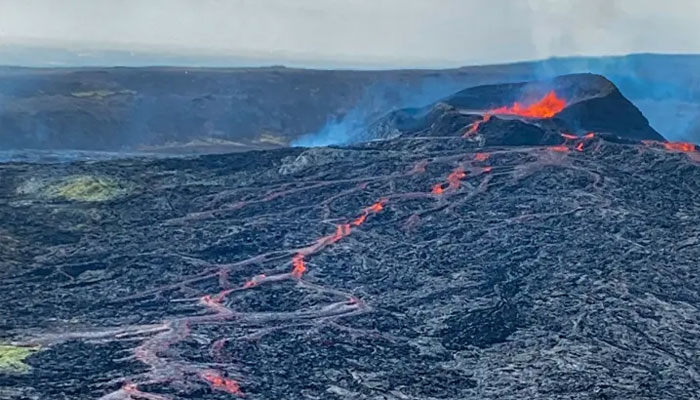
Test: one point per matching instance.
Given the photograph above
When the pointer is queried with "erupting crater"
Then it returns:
(549, 106)
(576, 104)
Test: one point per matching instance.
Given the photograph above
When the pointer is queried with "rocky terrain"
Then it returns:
(484, 250)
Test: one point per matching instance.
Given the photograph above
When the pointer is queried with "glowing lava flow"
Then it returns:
(453, 180)
(568, 137)
(559, 149)
(455, 176)
(475, 126)
(680, 146)
(683, 147)
(359, 220)
(549, 106)
(219, 382)
(298, 265)
(373, 209)
(481, 156)
(341, 231)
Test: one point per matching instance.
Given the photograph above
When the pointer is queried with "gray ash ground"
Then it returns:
(543, 274)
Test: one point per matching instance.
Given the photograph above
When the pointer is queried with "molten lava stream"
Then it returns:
(298, 265)
(680, 146)
(549, 106)
(453, 180)
(559, 149)
(475, 126)
(455, 176)
(220, 383)
(341, 231)
(481, 156)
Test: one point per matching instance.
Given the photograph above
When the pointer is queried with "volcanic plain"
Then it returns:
(479, 250)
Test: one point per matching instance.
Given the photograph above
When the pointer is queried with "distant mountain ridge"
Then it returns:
(117, 109)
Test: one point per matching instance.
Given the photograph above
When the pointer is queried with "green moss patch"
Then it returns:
(86, 188)
(12, 358)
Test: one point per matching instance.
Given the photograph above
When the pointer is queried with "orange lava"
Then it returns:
(472, 130)
(219, 382)
(589, 135)
(437, 189)
(455, 176)
(475, 126)
(680, 146)
(374, 208)
(359, 220)
(569, 136)
(579, 147)
(377, 207)
(549, 106)
(559, 149)
(298, 265)
(487, 170)
(340, 232)
(481, 156)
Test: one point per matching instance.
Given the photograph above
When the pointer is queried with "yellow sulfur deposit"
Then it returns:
(86, 188)
(12, 358)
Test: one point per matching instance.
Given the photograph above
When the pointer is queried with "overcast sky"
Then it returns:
(375, 32)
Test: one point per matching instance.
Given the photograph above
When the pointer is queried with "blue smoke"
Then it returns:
(378, 100)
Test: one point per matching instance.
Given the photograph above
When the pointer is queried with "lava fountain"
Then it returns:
(547, 107)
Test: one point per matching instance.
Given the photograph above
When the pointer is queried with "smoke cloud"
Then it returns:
(366, 33)
(379, 99)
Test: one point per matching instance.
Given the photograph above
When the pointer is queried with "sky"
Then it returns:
(381, 33)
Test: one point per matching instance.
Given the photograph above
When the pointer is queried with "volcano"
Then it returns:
(481, 250)
(577, 103)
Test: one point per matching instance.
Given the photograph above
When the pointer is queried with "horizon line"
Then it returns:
(264, 60)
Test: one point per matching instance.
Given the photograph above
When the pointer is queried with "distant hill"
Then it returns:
(223, 109)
